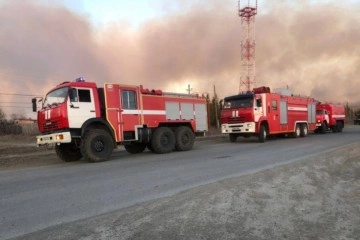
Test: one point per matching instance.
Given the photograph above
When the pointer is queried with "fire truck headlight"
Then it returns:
(59, 137)
(249, 125)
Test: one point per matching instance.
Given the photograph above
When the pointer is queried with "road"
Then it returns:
(35, 198)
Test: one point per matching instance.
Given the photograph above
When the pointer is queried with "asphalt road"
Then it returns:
(35, 198)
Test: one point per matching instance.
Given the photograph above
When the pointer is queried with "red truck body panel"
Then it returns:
(244, 114)
(152, 109)
(330, 115)
(125, 108)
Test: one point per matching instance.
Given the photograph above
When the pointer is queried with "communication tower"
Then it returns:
(247, 13)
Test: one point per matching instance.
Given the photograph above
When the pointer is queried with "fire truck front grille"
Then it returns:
(51, 126)
(237, 120)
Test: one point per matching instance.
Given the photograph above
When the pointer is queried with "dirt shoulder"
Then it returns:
(18, 151)
(317, 198)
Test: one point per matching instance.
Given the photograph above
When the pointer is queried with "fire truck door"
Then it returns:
(129, 112)
(274, 116)
(81, 106)
(258, 111)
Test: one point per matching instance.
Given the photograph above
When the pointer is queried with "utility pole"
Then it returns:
(216, 108)
(189, 89)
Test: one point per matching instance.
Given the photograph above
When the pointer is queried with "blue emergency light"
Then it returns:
(80, 79)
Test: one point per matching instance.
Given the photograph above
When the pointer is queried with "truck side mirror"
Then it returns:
(34, 105)
(73, 95)
(221, 103)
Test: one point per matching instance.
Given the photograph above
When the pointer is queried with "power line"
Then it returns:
(16, 102)
(15, 107)
(18, 94)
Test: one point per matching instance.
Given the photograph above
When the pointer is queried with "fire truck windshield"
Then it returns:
(55, 97)
(238, 103)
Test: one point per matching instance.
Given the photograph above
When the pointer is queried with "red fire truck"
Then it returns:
(330, 117)
(84, 121)
(262, 113)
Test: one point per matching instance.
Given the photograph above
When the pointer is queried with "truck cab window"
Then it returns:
(274, 105)
(258, 102)
(73, 95)
(128, 99)
(84, 95)
(56, 97)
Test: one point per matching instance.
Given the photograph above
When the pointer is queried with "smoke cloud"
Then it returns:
(312, 48)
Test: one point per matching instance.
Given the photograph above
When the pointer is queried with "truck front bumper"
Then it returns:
(53, 138)
(247, 127)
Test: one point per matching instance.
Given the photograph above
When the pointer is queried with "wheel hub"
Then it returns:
(99, 146)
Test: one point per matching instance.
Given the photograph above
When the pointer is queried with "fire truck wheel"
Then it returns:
(303, 130)
(150, 147)
(135, 147)
(184, 138)
(68, 152)
(334, 129)
(297, 132)
(340, 129)
(97, 145)
(262, 133)
(323, 128)
(233, 137)
(163, 140)
(337, 127)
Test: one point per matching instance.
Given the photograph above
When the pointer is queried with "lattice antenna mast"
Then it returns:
(247, 73)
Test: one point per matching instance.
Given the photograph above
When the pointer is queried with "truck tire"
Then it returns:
(341, 126)
(303, 130)
(97, 145)
(323, 128)
(163, 140)
(262, 133)
(150, 147)
(233, 137)
(68, 152)
(335, 128)
(135, 147)
(184, 138)
(297, 131)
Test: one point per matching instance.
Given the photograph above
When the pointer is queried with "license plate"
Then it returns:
(47, 138)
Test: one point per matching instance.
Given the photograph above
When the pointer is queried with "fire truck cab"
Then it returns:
(262, 113)
(330, 117)
(84, 121)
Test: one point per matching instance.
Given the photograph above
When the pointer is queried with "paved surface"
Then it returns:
(317, 198)
(35, 198)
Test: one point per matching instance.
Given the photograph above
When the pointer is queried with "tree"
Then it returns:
(16, 116)
(2, 115)
(215, 112)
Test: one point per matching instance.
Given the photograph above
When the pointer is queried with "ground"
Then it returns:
(21, 151)
(316, 198)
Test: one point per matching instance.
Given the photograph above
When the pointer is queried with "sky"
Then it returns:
(310, 46)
